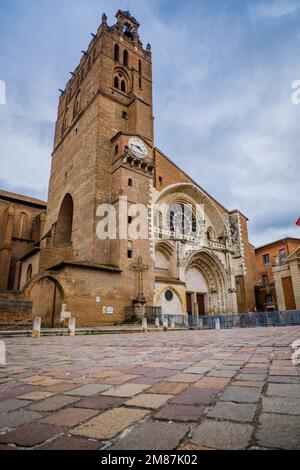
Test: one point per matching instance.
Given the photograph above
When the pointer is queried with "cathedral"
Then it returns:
(54, 264)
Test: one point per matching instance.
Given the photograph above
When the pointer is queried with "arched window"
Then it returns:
(123, 86)
(211, 234)
(116, 82)
(64, 226)
(125, 58)
(29, 273)
(77, 104)
(65, 123)
(117, 53)
(23, 225)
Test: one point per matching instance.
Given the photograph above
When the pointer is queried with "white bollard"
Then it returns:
(201, 323)
(166, 324)
(144, 325)
(218, 324)
(173, 326)
(72, 327)
(36, 333)
(157, 322)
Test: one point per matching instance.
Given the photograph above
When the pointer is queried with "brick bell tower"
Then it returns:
(103, 150)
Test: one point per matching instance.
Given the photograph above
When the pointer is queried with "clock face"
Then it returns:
(138, 147)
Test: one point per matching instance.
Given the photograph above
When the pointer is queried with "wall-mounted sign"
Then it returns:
(110, 311)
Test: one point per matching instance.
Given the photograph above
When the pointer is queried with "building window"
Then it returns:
(123, 86)
(130, 251)
(282, 255)
(266, 259)
(265, 280)
(130, 220)
(116, 150)
(64, 226)
(269, 299)
(124, 115)
(117, 53)
(169, 296)
(23, 224)
(130, 182)
(125, 58)
(116, 82)
(29, 273)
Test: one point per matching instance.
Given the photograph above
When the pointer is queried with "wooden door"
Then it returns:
(201, 304)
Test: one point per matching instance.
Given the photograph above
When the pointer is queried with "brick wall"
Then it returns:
(15, 311)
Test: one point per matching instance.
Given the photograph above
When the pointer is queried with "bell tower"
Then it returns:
(103, 151)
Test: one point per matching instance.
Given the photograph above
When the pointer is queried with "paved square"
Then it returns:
(233, 389)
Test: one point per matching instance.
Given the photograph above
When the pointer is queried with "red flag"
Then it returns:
(298, 222)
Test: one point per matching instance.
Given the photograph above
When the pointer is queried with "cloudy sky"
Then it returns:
(223, 73)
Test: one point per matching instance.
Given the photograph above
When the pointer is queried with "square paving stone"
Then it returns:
(216, 383)
(233, 412)
(47, 382)
(30, 435)
(290, 406)
(36, 396)
(12, 405)
(283, 379)
(152, 401)
(17, 391)
(99, 402)
(195, 396)
(54, 403)
(88, 390)
(222, 435)
(241, 383)
(127, 390)
(184, 378)
(198, 370)
(222, 373)
(71, 443)
(153, 436)
(251, 377)
(59, 388)
(182, 413)
(17, 418)
(241, 394)
(110, 424)
(119, 379)
(168, 388)
(291, 372)
(69, 417)
(284, 390)
(279, 431)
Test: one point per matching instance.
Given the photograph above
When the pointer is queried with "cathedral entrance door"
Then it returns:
(201, 304)
(189, 303)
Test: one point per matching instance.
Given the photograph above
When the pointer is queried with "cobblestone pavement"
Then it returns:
(190, 390)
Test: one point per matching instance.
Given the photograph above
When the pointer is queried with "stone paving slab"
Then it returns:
(192, 390)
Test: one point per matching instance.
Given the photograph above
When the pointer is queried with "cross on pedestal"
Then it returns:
(140, 268)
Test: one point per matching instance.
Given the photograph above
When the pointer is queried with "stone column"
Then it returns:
(72, 327)
(217, 324)
(144, 325)
(279, 291)
(36, 333)
(295, 273)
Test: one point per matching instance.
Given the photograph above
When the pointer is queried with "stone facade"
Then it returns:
(287, 282)
(273, 277)
(107, 102)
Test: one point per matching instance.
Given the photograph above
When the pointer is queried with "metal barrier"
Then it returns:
(246, 320)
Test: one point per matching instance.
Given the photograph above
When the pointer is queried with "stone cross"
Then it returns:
(140, 267)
